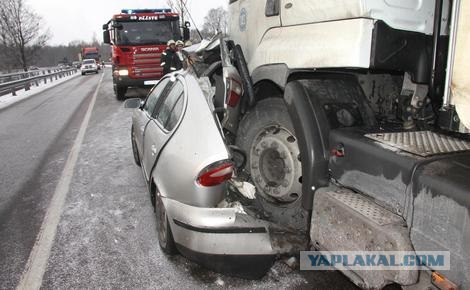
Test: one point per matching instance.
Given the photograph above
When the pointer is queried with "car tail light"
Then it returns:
(216, 173)
(234, 92)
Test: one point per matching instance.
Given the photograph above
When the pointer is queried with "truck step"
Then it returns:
(343, 220)
(421, 143)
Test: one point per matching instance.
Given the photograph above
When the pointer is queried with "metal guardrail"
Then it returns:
(25, 80)
(9, 77)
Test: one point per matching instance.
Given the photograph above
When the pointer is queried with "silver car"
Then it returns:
(177, 140)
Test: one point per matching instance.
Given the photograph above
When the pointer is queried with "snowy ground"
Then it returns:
(8, 100)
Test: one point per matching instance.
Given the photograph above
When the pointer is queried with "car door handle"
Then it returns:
(154, 150)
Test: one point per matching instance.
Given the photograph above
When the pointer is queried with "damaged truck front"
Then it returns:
(352, 120)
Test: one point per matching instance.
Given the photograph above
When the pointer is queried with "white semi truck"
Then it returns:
(354, 117)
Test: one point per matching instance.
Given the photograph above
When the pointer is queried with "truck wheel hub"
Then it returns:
(274, 165)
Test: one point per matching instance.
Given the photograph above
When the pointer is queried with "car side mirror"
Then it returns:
(133, 103)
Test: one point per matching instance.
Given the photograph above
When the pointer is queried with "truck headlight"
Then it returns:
(123, 72)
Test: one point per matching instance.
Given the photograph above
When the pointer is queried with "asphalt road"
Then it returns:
(106, 235)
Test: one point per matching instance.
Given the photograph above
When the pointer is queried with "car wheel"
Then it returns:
(165, 236)
(83, 73)
(274, 163)
(134, 147)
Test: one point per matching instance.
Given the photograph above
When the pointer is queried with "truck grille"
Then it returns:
(146, 66)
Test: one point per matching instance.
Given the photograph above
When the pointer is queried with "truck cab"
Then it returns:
(354, 119)
(138, 38)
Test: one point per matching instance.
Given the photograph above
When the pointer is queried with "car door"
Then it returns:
(164, 120)
(143, 115)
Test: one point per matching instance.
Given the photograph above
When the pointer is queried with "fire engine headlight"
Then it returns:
(123, 72)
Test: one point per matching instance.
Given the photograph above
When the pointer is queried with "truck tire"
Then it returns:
(266, 134)
(120, 92)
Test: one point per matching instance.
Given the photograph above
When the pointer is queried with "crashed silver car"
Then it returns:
(177, 140)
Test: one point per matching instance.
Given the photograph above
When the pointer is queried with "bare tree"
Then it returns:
(22, 32)
(179, 7)
(215, 22)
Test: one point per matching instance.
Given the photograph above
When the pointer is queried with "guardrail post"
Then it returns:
(13, 92)
(36, 82)
(45, 80)
(27, 86)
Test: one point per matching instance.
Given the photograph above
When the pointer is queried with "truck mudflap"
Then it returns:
(343, 220)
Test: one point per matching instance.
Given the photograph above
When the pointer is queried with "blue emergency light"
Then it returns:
(135, 11)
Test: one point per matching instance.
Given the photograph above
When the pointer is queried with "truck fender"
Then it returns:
(311, 129)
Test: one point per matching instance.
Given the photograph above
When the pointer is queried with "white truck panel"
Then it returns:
(314, 46)
(305, 26)
(411, 15)
(460, 87)
(294, 12)
(245, 14)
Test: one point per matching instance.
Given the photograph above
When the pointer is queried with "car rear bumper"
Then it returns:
(223, 239)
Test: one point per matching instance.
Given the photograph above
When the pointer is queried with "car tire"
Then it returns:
(266, 134)
(120, 92)
(83, 73)
(134, 147)
(165, 236)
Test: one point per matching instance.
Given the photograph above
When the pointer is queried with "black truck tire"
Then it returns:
(267, 136)
(120, 92)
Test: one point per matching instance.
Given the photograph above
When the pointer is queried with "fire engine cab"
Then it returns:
(138, 38)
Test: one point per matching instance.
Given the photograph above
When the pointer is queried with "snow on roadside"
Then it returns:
(8, 100)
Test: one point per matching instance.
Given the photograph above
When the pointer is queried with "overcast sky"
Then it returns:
(70, 20)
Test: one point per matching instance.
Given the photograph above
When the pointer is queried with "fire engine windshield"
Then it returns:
(148, 32)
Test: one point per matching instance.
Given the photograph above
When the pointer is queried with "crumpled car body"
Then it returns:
(178, 140)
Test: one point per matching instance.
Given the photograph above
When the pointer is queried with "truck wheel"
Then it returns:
(267, 136)
(120, 92)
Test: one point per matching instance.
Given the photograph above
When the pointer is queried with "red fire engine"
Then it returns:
(138, 38)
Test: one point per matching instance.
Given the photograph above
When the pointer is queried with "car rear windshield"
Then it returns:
(88, 61)
(147, 32)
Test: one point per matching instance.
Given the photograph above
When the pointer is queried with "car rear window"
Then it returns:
(175, 113)
(172, 107)
(88, 61)
(157, 92)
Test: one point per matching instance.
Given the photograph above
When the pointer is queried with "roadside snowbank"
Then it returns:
(8, 100)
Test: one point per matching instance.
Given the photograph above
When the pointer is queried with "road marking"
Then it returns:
(39, 256)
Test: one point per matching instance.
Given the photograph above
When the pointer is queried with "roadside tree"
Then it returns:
(22, 33)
